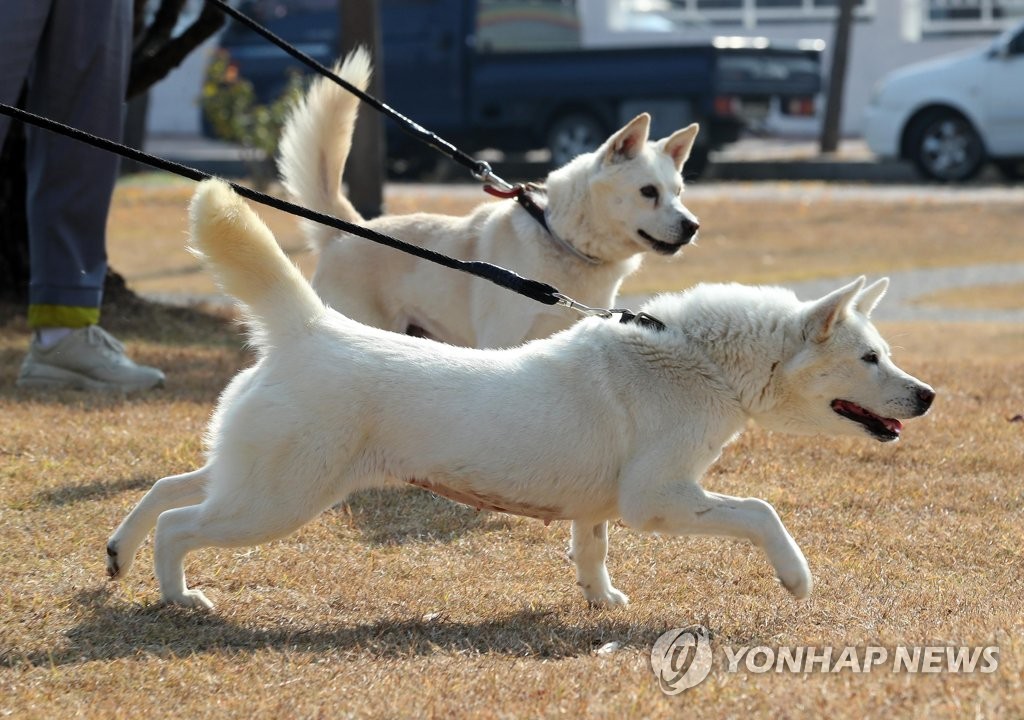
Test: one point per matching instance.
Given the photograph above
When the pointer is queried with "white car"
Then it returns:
(953, 114)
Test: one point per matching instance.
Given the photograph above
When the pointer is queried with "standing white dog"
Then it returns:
(603, 420)
(604, 210)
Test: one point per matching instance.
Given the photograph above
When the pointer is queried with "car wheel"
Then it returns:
(572, 135)
(945, 146)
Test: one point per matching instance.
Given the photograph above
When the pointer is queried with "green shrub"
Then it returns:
(229, 105)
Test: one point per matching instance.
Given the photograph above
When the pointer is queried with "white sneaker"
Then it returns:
(89, 358)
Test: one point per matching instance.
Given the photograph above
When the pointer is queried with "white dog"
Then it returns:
(603, 420)
(604, 210)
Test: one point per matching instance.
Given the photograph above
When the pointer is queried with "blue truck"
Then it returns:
(514, 75)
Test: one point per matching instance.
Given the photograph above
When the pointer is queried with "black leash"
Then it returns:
(533, 289)
(481, 170)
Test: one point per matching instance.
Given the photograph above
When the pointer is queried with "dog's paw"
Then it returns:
(800, 584)
(604, 597)
(189, 598)
(117, 566)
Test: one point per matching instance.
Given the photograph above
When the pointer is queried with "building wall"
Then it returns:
(174, 101)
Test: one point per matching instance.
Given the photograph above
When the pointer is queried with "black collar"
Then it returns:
(527, 196)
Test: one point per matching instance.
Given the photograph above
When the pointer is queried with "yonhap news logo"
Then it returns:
(682, 658)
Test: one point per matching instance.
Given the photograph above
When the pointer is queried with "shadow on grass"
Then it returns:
(397, 516)
(71, 494)
(193, 375)
(138, 319)
(199, 352)
(112, 632)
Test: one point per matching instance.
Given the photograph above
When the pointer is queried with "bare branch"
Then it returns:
(155, 65)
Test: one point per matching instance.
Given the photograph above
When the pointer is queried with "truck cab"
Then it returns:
(517, 75)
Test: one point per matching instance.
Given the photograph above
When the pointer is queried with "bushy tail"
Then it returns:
(249, 264)
(315, 145)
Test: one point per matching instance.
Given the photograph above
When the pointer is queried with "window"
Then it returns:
(748, 13)
(955, 16)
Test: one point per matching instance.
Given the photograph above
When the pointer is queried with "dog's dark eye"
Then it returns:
(871, 357)
(649, 191)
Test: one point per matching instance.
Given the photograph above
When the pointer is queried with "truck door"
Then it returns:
(424, 46)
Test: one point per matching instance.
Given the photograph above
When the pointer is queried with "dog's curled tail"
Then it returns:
(316, 141)
(249, 264)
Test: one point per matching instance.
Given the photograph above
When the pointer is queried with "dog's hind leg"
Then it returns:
(589, 549)
(688, 509)
(167, 493)
(222, 521)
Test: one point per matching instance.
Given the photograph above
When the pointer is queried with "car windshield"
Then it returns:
(1012, 38)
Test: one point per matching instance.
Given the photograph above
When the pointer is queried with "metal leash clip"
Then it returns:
(585, 310)
(625, 316)
(485, 174)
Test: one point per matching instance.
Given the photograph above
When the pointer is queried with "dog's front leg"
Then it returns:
(688, 509)
(589, 550)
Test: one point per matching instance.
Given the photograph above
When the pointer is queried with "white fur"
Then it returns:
(594, 202)
(600, 421)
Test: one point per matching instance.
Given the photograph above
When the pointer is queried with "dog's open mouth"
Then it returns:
(662, 248)
(884, 429)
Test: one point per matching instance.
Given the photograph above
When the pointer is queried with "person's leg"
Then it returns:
(79, 77)
(21, 27)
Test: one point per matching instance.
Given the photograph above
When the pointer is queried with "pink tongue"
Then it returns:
(892, 424)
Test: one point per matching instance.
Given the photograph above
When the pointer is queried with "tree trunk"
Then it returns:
(830, 128)
(360, 26)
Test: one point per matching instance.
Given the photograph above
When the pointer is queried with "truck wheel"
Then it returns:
(572, 135)
(945, 146)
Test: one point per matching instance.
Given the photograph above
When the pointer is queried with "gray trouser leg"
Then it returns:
(74, 54)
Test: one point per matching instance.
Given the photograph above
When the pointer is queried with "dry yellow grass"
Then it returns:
(1008, 296)
(402, 604)
(743, 241)
(772, 242)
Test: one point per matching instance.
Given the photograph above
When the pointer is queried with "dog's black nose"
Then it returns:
(690, 228)
(925, 396)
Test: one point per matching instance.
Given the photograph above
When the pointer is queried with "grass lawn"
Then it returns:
(402, 604)
(752, 241)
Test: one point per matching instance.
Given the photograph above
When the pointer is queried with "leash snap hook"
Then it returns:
(485, 174)
(585, 310)
(627, 317)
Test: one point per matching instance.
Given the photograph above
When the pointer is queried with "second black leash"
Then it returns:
(533, 289)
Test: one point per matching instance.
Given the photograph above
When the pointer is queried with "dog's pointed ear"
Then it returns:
(869, 296)
(627, 143)
(679, 144)
(822, 316)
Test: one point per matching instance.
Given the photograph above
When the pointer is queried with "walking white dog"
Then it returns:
(603, 420)
(604, 210)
